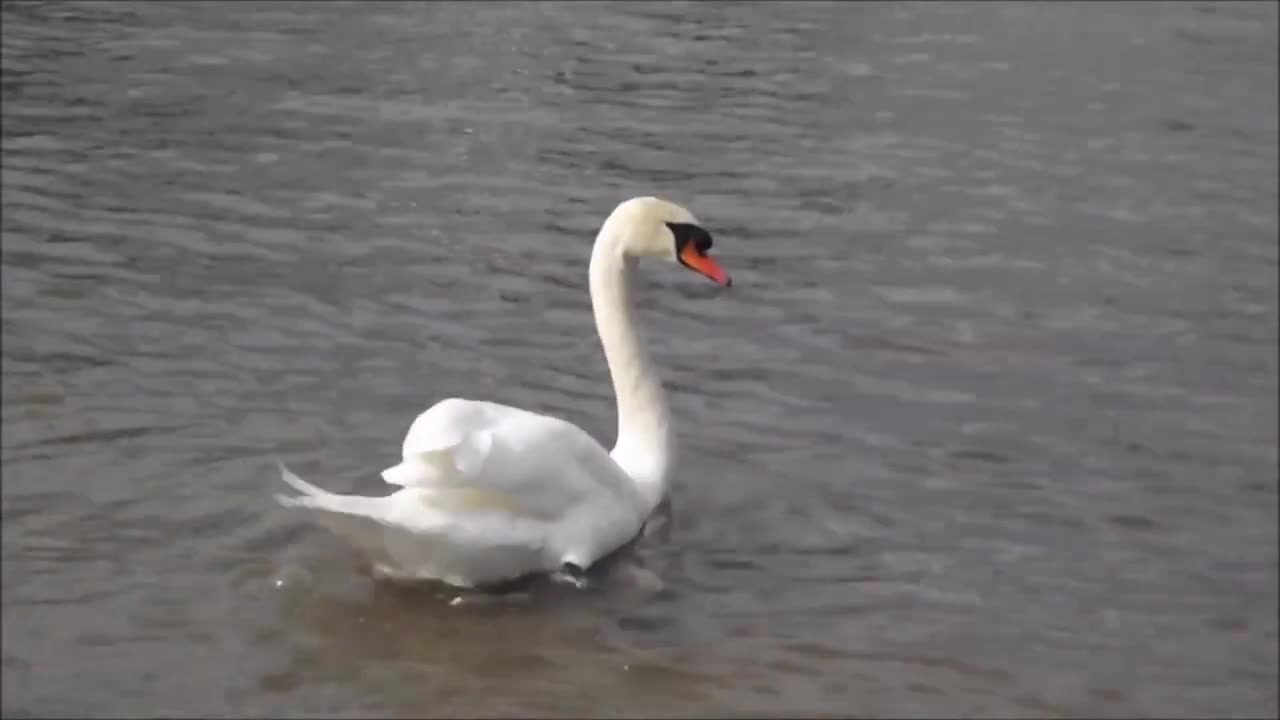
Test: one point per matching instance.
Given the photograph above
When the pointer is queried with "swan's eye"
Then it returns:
(689, 234)
(692, 244)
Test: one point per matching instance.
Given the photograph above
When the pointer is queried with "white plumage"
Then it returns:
(490, 492)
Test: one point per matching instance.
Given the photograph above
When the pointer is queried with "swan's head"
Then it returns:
(652, 227)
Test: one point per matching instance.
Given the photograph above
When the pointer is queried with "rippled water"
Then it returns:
(987, 424)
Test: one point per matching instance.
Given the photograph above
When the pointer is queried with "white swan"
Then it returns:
(493, 492)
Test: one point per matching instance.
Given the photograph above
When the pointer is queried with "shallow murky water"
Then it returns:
(987, 424)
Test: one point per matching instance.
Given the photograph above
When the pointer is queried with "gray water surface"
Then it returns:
(987, 424)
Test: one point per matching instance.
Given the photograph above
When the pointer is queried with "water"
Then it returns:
(987, 424)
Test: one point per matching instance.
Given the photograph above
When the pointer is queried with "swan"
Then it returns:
(490, 493)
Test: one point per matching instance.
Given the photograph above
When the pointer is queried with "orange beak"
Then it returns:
(692, 259)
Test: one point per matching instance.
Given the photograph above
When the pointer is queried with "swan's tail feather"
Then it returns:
(357, 520)
(425, 546)
(297, 483)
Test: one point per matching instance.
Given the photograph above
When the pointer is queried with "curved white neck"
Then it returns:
(644, 441)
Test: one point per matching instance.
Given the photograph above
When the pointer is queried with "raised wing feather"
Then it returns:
(484, 454)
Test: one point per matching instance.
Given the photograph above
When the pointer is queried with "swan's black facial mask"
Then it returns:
(692, 244)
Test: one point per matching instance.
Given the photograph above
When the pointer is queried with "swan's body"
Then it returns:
(492, 492)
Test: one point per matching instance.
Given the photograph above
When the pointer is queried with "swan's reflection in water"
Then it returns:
(404, 643)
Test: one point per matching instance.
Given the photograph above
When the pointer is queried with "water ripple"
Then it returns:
(986, 425)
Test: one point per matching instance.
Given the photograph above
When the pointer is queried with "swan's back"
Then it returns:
(550, 463)
(488, 488)
(490, 492)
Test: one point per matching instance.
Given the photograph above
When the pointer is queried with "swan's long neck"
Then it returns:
(644, 441)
